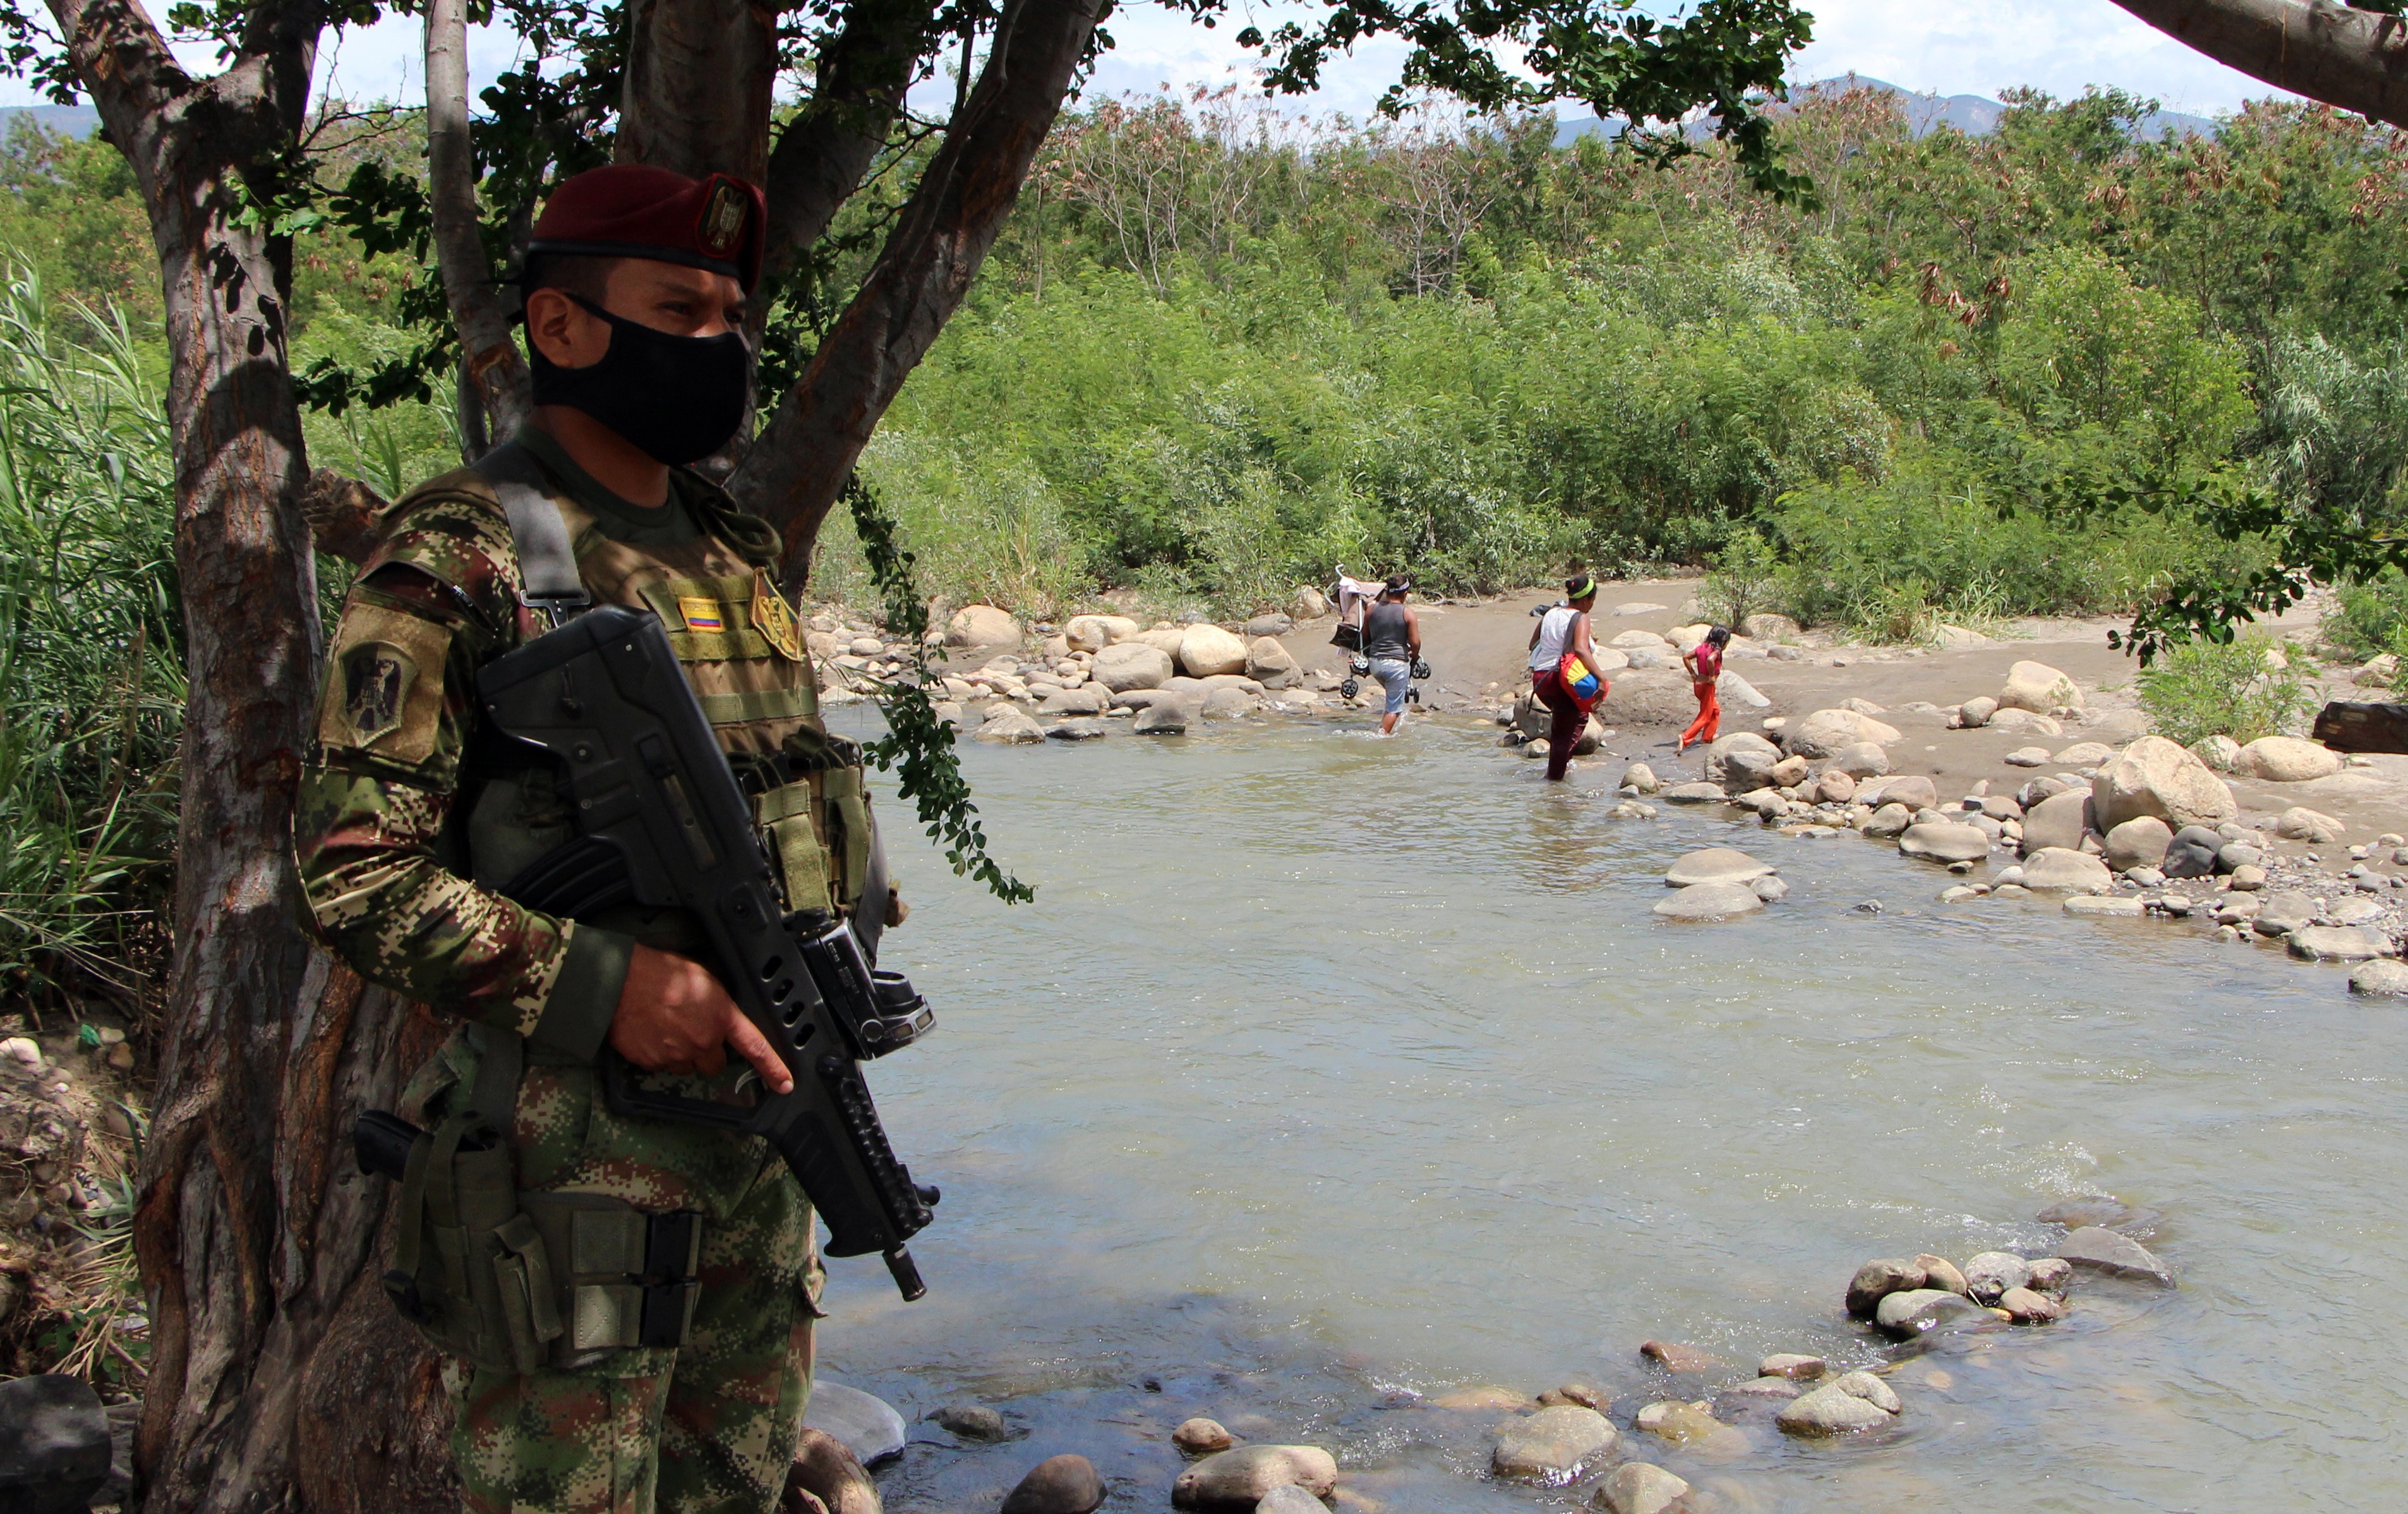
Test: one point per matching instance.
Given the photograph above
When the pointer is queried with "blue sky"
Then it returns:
(1948, 47)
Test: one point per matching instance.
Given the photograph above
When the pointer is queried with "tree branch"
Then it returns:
(797, 467)
(491, 360)
(695, 97)
(2354, 59)
(344, 514)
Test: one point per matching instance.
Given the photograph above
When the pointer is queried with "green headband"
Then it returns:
(1587, 588)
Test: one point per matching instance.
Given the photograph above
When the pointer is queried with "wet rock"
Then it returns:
(2063, 870)
(2192, 853)
(1064, 1485)
(1011, 727)
(2057, 822)
(1917, 1310)
(1870, 1388)
(1201, 1436)
(1769, 888)
(1237, 1479)
(2153, 776)
(1086, 699)
(1889, 820)
(1830, 1411)
(2380, 979)
(1791, 1364)
(2283, 910)
(1167, 718)
(2138, 843)
(1552, 1445)
(1272, 664)
(972, 1421)
(1486, 1396)
(1587, 1395)
(2286, 760)
(2338, 943)
(1084, 730)
(1944, 840)
(868, 1425)
(1678, 1423)
(2300, 823)
(825, 1477)
(1762, 1395)
(1695, 794)
(1710, 901)
(1639, 1488)
(1940, 1273)
(1993, 1273)
(55, 1446)
(2026, 1307)
(1290, 1499)
(1877, 1280)
(2050, 1275)
(2133, 908)
(1641, 778)
(1674, 1357)
(2097, 1249)
(1715, 864)
(2039, 688)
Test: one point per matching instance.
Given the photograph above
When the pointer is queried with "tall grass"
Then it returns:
(91, 682)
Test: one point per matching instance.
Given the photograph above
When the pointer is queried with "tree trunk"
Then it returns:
(798, 465)
(493, 373)
(2354, 59)
(696, 91)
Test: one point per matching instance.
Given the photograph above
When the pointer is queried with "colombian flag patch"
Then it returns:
(701, 614)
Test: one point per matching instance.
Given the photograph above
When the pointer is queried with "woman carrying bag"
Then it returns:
(1563, 670)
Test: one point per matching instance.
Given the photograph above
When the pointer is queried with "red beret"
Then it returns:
(633, 210)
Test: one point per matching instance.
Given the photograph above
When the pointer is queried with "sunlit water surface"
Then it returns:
(1325, 1070)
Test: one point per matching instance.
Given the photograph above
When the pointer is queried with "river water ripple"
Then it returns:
(1326, 1068)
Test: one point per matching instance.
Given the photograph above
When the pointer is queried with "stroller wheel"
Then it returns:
(1348, 690)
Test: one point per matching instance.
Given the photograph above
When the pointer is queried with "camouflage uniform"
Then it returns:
(408, 822)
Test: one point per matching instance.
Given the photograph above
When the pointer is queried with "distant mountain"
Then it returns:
(1973, 114)
(65, 119)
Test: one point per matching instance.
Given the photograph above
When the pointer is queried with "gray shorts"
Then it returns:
(1393, 676)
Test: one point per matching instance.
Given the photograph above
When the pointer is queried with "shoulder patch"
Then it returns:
(384, 687)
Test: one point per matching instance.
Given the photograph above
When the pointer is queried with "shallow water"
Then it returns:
(1326, 1067)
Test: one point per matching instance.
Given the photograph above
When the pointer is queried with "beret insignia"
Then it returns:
(725, 207)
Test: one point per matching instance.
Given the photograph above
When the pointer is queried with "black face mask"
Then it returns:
(677, 400)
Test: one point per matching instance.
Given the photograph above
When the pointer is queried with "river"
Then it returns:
(1325, 1070)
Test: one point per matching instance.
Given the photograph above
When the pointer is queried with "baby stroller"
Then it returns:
(1353, 598)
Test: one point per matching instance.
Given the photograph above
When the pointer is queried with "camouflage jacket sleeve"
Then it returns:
(385, 885)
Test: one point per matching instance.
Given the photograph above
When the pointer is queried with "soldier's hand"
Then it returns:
(673, 1017)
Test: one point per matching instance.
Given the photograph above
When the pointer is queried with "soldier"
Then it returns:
(412, 818)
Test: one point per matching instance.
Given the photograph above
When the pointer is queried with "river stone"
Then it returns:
(1889, 820)
(1641, 779)
(1755, 1396)
(1877, 1280)
(1870, 1388)
(1975, 713)
(1128, 665)
(1010, 726)
(1770, 889)
(2380, 979)
(1206, 649)
(2083, 755)
(1672, 1356)
(1940, 1273)
(1740, 772)
(54, 1444)
(2300, 823)
(1679, 1422)
(1290, 1499)
(1634, 638)
(1057, 1485)
(1269, 623)
(1695, 794)
(2338, 943)
(1640, 1488)
(1993, 1273)
(1086, 699)
(1828, 1411)
(1551, 1445)
(1827, 732)
(1791, 1364)
(1272, 664)
(2026, 1307)
(1167, 718)
(972, 1421)
(2039, 688)
(2058, 821)
(1201, 1436)
(869, 1428)
(1237, 1479)
(1587, 1395)
(1486, 1396)
(1720, 752)
(1944, 841)
(2061, 870)
(1226, 704)
(2153, 776)
(2192, 853)
(1307, 603)
(1834, 787)
(1710, 901)
(1715, 864)
(2094, 904)
(2097, 1249)
(1861, 761)
(2283, 910)
(2050, 1275)
(1912, 1313)
(2027, 757)
(1093, 633)
(2286, 760)
(981, 625)
(825, 1468)
(1911, 789)
(1083, 730)
(2138, 843)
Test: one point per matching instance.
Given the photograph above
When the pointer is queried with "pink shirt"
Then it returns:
(1709, 663)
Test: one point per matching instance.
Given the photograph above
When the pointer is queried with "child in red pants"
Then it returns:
(1705, 665)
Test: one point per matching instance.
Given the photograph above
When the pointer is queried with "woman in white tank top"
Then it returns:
(1565, 626)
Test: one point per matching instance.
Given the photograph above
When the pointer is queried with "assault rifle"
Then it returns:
(661, 822)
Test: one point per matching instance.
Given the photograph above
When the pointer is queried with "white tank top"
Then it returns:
(1553, 628)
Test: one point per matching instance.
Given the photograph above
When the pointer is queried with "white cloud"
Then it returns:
(1947, 47)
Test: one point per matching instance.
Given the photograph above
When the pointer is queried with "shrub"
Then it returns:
(2223, 688)
(2369, 618)
(1745, 580)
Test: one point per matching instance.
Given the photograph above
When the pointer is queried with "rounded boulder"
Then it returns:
(2155, 776)
(1827, 732)
(2039, 688)
(1944, 841)
(2286, 760)
(1128, 665)
(2138, 843)
(1711, 901)
(1717, 864)
(1093, 633)
(982, 624)
(1235, 1481)
(1206, 649)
